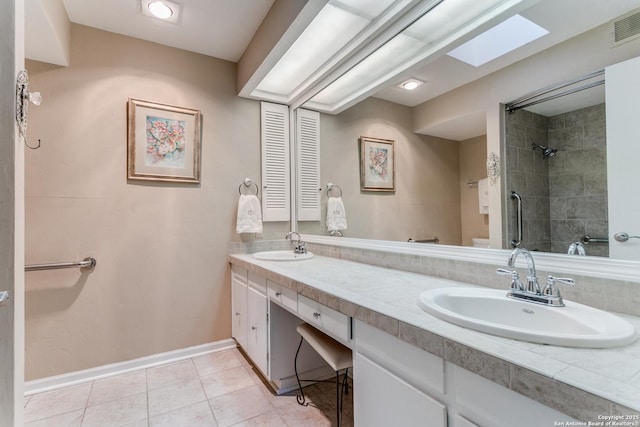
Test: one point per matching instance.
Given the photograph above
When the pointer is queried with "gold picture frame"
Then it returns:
(163, 142)
(377, 164)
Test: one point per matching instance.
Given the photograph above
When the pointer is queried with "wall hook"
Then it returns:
(23, 96)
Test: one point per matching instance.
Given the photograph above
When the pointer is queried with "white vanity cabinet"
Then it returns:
(383, 399)
(265, 315)
(249, 315)
(257, 333)
(239, 278)
(394, 382)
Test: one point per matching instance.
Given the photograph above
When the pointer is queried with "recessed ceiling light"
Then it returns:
(166, 10)
(411, 84)
(508, 35)
(160, 10)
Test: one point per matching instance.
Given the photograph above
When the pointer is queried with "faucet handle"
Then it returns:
(301, 248)
(516, 283)
(551, 289)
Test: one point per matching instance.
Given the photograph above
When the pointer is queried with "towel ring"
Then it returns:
(331, 186)
(247, 183)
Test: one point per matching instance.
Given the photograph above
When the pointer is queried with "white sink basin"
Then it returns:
(490, 311)
(282, 256)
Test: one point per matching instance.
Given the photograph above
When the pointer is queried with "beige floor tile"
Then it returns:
(216, 362)
(197, 415)
(307, 416)
(162, 376)
(228, 381)
(46, 405)
(175, 396)
(118, 387)
(239, 406)
(277, 401)
(141, 423)
(270, 419)
(117, 412)
(26, 400)
(70, 419)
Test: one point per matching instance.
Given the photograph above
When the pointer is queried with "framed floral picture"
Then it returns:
(377, 164)
(163, 141)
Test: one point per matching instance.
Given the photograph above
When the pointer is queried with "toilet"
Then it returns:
(480, 242)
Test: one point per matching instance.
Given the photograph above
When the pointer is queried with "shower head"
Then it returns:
(546, 152)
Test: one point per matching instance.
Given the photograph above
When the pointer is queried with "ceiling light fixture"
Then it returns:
(411, 84)
(165, 10)
(160, 10)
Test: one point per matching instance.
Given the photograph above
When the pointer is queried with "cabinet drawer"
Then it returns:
(282, 295)
(324, 318)
(257, 282)
(239, 274)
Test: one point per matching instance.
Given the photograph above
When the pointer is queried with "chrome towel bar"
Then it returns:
(515, 196)
(89, 263)
(590, 239)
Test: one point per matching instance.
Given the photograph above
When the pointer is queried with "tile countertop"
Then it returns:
(583, 383)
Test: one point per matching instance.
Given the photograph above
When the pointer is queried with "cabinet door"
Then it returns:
(257, 332)
(239, 312)
(382, 399)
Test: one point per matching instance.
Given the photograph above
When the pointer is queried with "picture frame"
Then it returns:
(377, 164)
(163, 142)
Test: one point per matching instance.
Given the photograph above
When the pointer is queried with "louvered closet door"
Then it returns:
(276, 200)
(308, 173)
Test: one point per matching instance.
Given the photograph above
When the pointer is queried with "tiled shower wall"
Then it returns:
(578, 179)
(565, 196)
(528, 175)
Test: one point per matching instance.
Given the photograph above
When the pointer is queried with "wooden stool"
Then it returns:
(338, 356)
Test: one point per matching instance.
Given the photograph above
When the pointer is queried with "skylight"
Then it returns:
(505, 37)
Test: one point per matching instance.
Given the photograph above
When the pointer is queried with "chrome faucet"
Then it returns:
(576, 248)
(532, 280)
(549, 296)
(300, 246)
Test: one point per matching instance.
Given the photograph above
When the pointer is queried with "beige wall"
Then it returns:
(426, 202)
(162, 281)
(473, 166)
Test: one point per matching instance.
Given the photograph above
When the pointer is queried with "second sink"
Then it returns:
(490, 311)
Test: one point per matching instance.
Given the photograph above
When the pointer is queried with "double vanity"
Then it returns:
(416, 361)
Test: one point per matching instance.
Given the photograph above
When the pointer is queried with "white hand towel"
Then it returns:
(336, 215)
(249, 214)
(483, 195)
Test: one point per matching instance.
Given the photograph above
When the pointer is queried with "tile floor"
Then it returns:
(218, 390)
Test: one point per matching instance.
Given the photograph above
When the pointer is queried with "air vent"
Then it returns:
(625, 28)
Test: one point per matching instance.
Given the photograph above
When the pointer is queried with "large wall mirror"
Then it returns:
(446, 129)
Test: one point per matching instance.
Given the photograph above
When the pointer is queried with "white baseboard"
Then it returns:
(285, 385)
(106, 371)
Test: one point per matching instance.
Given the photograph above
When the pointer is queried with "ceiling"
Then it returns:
(224, 29)
(219, 28)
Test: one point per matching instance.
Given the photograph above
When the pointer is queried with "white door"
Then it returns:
(383, 399)
(623, 152)
(11, 218)
(7, 386)
(239, 312)
(257, 332)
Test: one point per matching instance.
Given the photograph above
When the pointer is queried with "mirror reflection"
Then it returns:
(552, 153)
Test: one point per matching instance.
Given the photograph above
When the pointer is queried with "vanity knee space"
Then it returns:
(265, 315)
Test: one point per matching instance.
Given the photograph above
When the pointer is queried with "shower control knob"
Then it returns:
(623, 237)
